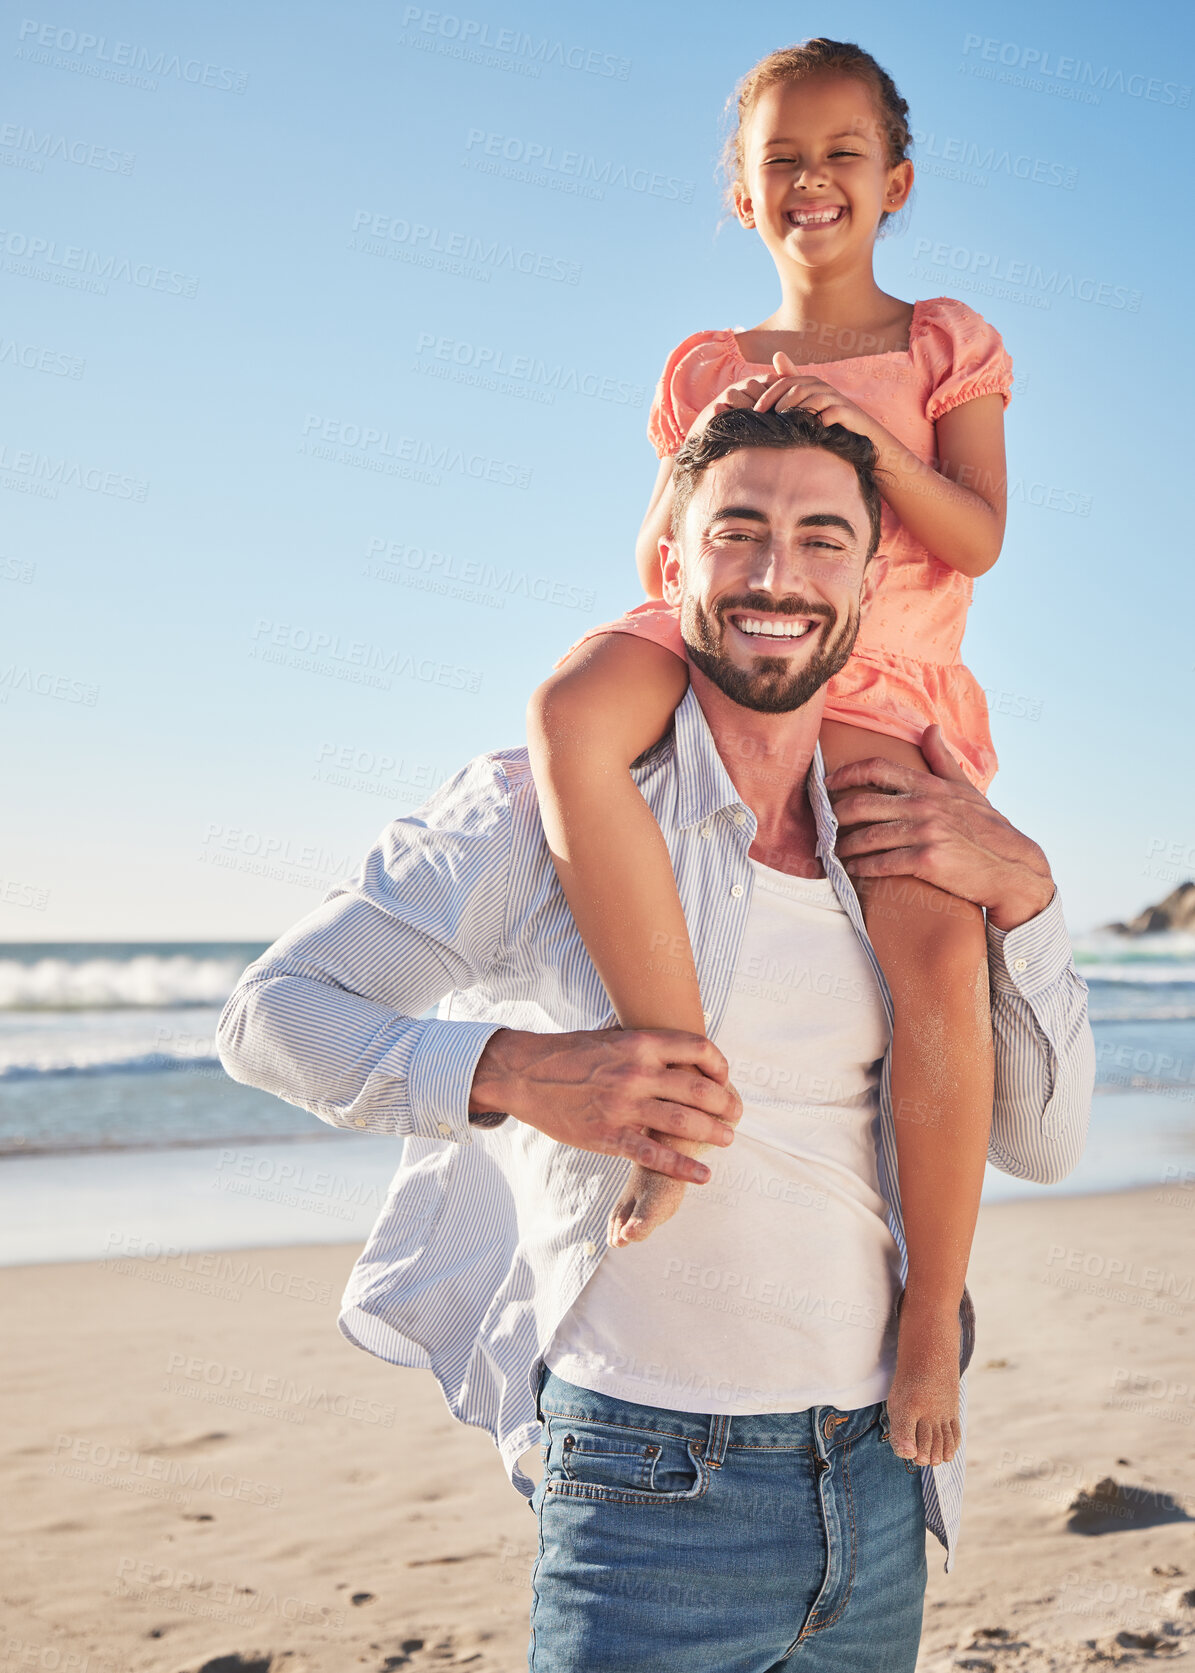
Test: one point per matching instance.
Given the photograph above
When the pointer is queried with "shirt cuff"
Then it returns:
(440, 1077)
(1031, 958)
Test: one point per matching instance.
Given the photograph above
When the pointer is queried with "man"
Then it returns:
(688, 1520)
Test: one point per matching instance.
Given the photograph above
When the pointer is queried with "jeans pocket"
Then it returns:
(588, 1459)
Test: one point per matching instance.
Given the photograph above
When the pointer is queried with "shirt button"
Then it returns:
(1020, 964)
(740, 818)
(444, 1130)
(707, 830)
(590, 1248)
(707, 1017)
(359, 1122)
(736, 890)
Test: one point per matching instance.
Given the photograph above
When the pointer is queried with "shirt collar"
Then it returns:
(706, 788)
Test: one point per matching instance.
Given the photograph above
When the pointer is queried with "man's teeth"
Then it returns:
(787, 629)
(815, 217)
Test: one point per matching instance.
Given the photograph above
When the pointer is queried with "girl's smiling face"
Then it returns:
(816, 175)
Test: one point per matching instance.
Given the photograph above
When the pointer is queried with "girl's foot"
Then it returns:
(923, 1400)
(649, 1199)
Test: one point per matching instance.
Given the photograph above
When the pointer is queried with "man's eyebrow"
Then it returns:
(827, 520)
(752, 514)
(743, 513)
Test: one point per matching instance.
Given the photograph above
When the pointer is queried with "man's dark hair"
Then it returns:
(741, 427)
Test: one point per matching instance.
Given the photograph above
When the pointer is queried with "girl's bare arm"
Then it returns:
(586, 724)
(957, 511)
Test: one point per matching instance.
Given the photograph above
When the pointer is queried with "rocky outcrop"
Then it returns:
(1177, 911)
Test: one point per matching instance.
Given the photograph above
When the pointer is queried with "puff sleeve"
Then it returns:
(700, 368)
(962, 355)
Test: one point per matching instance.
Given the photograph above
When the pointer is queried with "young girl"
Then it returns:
(816, 165)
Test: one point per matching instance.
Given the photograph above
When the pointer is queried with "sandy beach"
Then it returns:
(199, 1473)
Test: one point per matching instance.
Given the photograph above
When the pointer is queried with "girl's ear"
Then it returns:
(900, 184)
(742, 205)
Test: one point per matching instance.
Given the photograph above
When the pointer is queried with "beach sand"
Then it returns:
(200, 1472)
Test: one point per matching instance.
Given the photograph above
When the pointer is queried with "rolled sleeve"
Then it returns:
(333, 1017)
(1030, 959)
(1045, 1055)
(440, 1077)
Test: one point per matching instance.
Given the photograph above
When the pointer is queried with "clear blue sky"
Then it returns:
(249, 257)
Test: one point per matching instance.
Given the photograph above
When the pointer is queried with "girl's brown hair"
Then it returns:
(797, 63)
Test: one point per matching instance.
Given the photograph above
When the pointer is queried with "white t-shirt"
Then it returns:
(773, 1286)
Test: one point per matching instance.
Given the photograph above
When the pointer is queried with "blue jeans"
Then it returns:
(673, 1542)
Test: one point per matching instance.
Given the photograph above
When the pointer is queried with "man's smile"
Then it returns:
(771, 627)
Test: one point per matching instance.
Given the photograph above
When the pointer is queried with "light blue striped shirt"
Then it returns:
(489, 1235)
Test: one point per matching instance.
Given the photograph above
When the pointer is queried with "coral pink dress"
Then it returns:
(904, 672)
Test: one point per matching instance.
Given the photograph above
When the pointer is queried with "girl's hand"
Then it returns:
(789, 387)
(746, 393)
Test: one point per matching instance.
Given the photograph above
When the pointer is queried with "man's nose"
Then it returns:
(780, 568)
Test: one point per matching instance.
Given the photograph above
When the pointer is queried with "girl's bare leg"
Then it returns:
(611, 701)
(932, 948)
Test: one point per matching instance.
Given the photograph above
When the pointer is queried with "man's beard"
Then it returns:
(772, 685)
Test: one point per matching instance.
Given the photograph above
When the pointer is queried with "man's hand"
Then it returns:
(601, 1090)
(938, 827)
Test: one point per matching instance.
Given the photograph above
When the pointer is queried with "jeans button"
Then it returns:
(828, 1427)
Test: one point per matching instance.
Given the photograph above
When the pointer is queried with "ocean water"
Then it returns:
(120, 1132)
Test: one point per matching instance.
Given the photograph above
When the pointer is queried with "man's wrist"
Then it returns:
(1027, 895)
(492, 1091)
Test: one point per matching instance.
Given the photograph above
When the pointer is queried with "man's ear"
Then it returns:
(670, 569)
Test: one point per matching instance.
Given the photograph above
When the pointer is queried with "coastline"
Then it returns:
(197, 1464)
